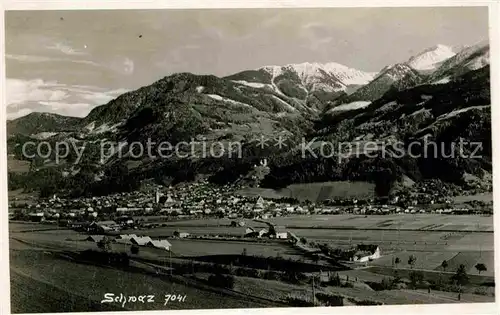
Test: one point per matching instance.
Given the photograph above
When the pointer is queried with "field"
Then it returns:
(423, 222)
(420, 232)
(38, 273)
(486, 197)
(189, 248)
(71, 240)
(416, 222)
(316, 191)
(433, 260)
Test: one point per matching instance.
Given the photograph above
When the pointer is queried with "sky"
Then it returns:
(68, 62)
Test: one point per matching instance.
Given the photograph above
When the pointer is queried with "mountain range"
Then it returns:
(432, 94)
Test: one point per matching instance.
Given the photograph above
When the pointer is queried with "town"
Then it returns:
(204, 200)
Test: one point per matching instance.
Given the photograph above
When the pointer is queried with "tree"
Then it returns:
(444, 265)
(480, 267)
(105, 244)
(411, 261)
(460, 277)
(134, 249)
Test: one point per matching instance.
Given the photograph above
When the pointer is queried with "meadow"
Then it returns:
(316, 191)
(37, 268)
(417, 222)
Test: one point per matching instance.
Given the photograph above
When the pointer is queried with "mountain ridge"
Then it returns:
(279, 101)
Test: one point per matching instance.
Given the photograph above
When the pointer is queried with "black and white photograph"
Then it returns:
(247, 158)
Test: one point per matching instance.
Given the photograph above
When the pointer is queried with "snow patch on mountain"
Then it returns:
(227, 100)
(462, 110)
(251, 84)
(105, 128)
(442, 81)
(289, 107)
(215, 97)
(44, 135)
(350, 106)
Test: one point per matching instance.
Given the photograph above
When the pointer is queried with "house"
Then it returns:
(104, 226)
(162, 244)
(36, 216)
(366, 252)
(125, 238)
(281, 235)
(237, 224)
(278, 232)
(94, 238)
(125, 220)
(301, 210)
(140, 240)
(263, 233)
(181, 234)
(250, 232)
(259, 204)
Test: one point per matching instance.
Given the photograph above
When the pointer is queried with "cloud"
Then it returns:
(25, 96)
(20, 91)
(29, 58)
(102, 98)
(123, 65)
(128, 66)
(19, 113)
(65, 49)
(36, 59)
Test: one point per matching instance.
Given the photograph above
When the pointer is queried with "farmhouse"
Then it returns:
(236, 224)
(36, 216)
(163, 244)
(140, 240)
(104, 226)
(125, 238)
(294, 238)
(366, 252)
(94, 238)
(250, 232)
(263, 233)
(181, 234)
(278, 232)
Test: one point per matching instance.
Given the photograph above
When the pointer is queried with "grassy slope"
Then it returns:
(94, 282)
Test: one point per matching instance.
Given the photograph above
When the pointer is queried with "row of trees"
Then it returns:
(480, 267)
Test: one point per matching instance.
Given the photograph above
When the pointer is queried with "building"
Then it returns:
(36, 216)
(250, 232)
(95, 238)
(366, 252)
(125, 238)
(237, 223)
(260, 203)
(104, 226)
(181, 234)
(281, 235)
(263, 233)
(278, 232)
(162, 244)
(140, 240)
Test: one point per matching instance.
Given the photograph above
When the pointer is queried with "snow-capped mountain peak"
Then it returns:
(431, 58)
(470, 58)
(310, 71)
